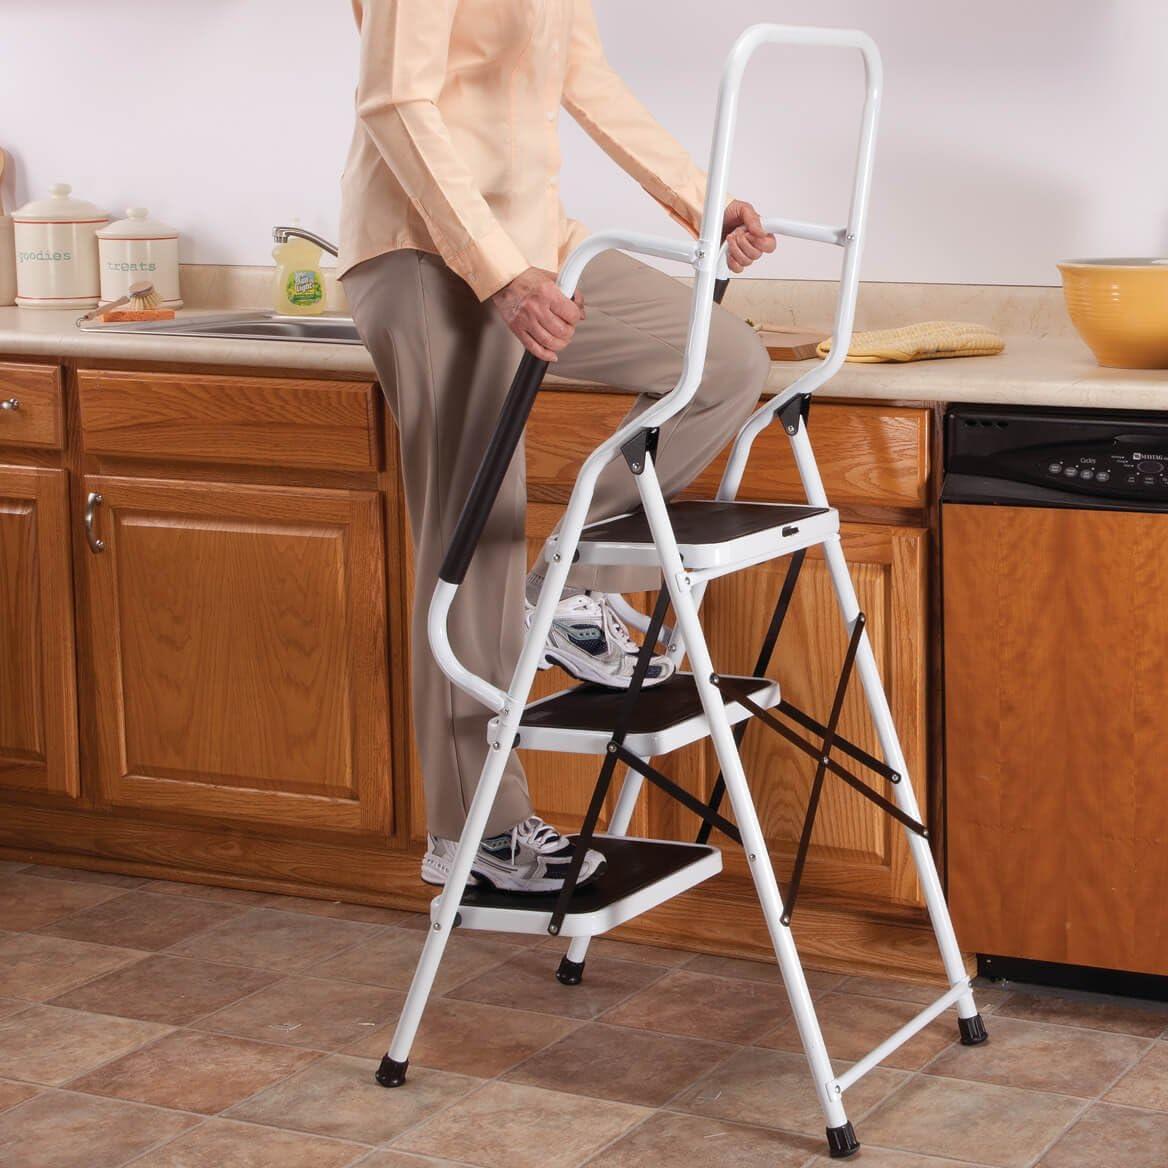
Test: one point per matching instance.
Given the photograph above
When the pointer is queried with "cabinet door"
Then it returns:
(857, 850)
(240, 653)
(38, 688)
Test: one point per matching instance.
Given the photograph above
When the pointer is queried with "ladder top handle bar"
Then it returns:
(529, 376)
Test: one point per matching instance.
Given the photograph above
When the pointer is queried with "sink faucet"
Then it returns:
(283, 234)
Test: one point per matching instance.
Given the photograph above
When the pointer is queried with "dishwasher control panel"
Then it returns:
(1072, 457)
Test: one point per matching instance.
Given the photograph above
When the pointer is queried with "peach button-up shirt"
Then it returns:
(456, 148)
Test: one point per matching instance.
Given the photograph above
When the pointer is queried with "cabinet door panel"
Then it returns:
(240, 649)
(857, 850)
(38, 688)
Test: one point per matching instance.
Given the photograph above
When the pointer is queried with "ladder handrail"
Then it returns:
(706, 256)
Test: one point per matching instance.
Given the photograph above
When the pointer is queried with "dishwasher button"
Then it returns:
(1071, 471)
(1087, 473)
(1103, 477)
(1151, 466)
(1055, 468)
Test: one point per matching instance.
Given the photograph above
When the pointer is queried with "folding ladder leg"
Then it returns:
(392, 1071)
(571, 970)
(969, 1020)
(841, 1138)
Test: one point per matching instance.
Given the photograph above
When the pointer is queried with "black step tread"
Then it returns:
(631, 865)
(595, 707)
(700, 521)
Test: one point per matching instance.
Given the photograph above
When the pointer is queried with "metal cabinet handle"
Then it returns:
(92, 502)
(12, 403)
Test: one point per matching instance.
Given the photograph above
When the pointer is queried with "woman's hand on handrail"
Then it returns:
(538, 313)
(746, 238)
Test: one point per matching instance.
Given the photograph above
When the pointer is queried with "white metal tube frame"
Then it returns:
(707, 256)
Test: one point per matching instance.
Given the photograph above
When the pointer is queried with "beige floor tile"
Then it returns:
(28, 902)
(85, 876)
(13, 1093)
(1043, 1058)
(61, 1130)
(626, 1066)
(161, 988)
(11, 1006)
(189, 1071)
(219, 1143)
(240, 896)
(771, 1088)
(872, 1157)
(528, 982)
(48, 1045)
(37, 967)
(391, 1158)
(1146, 1084)
(337, 1096)
(267, 939)
(852, 1026)
(891, 987)
(671, 1140)
(627, 951)
(309, 1012)
(699, 1005)
(818, 980)
(390, 959)
(1112, 1137)
(340, 910)
(1144, 1019)
(471, 1039)
(506, 1125)
(998, 1126)
(139, 920)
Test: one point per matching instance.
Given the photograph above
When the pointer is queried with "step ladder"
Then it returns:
(691, 543)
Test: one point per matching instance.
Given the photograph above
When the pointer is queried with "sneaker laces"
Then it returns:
(617, 627)
(533, 831)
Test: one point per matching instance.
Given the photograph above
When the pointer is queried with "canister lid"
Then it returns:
(60, 208)
(137, 225)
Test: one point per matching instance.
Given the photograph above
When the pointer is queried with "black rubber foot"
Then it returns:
(973, 1031)
(842, 1142)
(391, 1073)
(570, 972)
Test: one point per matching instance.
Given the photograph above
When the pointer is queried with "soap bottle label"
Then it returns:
(304, 287)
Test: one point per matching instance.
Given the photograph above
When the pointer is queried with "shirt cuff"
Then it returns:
(489, 263)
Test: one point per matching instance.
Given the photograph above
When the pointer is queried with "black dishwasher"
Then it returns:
(1054, 549)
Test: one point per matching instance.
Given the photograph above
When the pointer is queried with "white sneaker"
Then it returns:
(531, 857)
(588, 640)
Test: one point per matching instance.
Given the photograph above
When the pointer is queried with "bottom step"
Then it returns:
(640, 874)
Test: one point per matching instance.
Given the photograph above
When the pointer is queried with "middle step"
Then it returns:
(667, 717)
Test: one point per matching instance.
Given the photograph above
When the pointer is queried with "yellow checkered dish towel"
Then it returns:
(922, 342)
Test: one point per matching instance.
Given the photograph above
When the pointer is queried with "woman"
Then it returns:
(452, 231)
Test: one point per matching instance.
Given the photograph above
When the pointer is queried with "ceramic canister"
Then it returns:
(56, 251)
(138, 248)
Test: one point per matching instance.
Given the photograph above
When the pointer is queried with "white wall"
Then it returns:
(1015, 133)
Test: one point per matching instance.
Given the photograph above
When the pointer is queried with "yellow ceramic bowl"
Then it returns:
(1120, 308)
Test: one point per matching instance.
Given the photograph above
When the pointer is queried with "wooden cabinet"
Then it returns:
(1056, 734)
(38, 689)
(238, 640)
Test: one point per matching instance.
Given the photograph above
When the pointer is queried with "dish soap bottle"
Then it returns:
(299, 285)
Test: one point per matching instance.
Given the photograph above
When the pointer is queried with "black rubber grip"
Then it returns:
(485, 488)
(720, 287)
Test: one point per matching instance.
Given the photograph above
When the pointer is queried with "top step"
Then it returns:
(710, 534)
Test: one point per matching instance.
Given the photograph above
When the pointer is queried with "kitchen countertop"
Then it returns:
(1032, 371)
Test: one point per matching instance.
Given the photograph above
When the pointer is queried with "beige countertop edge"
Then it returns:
(1032, 371)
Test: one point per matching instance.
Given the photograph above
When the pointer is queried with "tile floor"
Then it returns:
(168, 1025)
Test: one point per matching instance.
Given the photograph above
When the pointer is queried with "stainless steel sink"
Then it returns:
(247, 326)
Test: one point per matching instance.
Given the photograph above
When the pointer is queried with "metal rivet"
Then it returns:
(636, 467)
(437, 927)
(556, 557)
(752, 857)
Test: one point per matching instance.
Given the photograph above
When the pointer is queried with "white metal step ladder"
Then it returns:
(692, 543)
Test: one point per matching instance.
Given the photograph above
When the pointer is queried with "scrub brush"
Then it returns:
(142, 303)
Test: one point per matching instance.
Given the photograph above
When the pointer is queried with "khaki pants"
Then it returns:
(445, 363)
